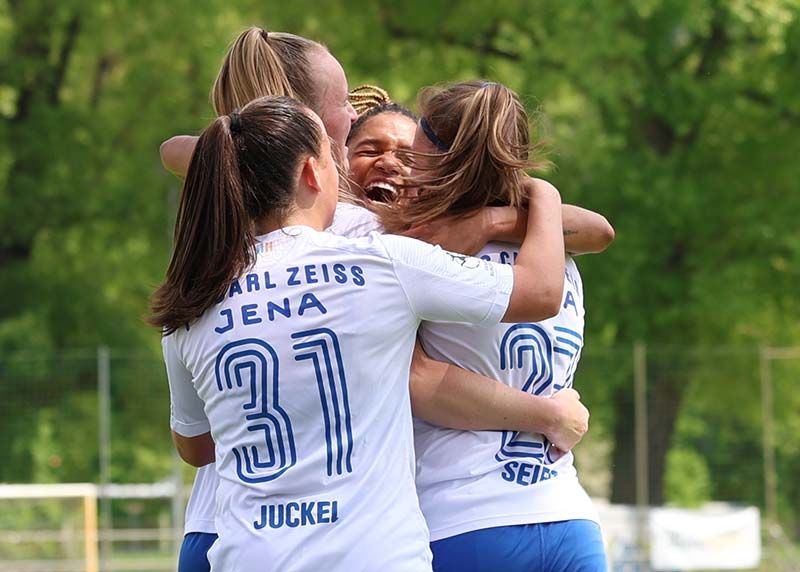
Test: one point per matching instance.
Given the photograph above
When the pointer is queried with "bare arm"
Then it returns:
(449, 396)
(197, 451)
(176, 154)
(585, 231)
(539, 267)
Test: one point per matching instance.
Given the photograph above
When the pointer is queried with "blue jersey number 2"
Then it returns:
(264, 415)
(529, 341)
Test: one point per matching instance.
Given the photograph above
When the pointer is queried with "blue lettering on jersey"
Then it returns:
(526, 474)
(234, 289)
(569, 300)
(296, 514)
(339, 271)
(503, 257)
(252, 282)
(251, 366)
(358, 275)
(311, 274)
(292, 521)
(284, 310)
(311, 301)
(569, 343)
(249, 315)
(228, 324)
(293, 281)
(527, 347)
(321, 347)
(297, 276)
(572, 279)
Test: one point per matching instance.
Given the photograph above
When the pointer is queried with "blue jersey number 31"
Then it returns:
(257, 361)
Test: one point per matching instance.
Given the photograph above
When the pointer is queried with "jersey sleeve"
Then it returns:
(442, 286)
(187, 415)
(353, 221)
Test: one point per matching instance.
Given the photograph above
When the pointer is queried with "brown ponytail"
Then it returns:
(483, 132)
(236, 177)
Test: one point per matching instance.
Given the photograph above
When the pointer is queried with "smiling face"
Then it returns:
(374, 165)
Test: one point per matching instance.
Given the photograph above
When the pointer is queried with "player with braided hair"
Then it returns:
(383, 131)
(265, 63)
(280, 364)
(365, 97)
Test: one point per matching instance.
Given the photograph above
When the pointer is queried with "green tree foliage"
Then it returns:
(87, 91)
(678, 119)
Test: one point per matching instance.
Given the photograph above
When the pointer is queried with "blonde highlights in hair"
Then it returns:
(484, 128)
(261, 63)
(365, 97)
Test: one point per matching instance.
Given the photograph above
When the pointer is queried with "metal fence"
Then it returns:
(670, 425)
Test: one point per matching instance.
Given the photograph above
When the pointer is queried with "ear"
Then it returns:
(310, 174)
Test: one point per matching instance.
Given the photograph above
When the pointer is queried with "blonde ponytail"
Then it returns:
(261, 63)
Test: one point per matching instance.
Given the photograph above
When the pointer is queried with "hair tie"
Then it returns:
(429, 133)
(236, 122)
(488, 84)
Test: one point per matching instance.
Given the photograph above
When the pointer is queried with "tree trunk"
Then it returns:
(664, 397)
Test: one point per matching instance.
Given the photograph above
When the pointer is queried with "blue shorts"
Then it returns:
(566, 546)
(194, 552)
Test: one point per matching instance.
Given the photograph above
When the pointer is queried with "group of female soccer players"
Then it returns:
(298, 337)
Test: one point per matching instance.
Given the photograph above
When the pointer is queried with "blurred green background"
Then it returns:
(677, 119)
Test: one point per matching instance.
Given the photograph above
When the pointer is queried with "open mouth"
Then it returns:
(381, 191)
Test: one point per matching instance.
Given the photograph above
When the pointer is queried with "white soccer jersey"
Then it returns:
(200, 509)
(470, 480)
(350, 221)
(301, 375)
(354, 221)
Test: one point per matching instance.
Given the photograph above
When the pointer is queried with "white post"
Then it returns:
(104, 433)
(641, 446)
(177, 503)
(768, 438)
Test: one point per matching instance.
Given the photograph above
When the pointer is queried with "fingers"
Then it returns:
(573, 392)
(566, 442)
(568, 393)
(556, 452)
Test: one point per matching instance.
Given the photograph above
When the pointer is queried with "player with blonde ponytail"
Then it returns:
(281, 368)
(271, 63)
(260, 63)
